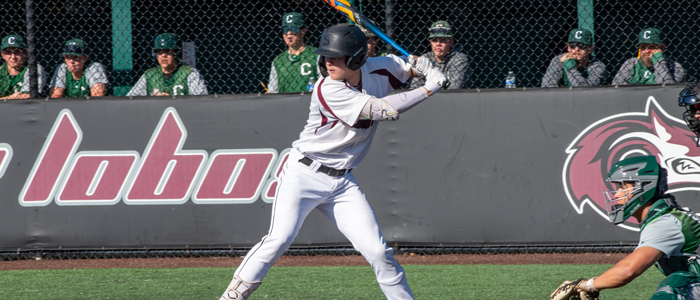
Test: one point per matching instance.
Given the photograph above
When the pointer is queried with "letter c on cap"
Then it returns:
(289, 18)
(646, 34)
(11, 40)
(578, 34)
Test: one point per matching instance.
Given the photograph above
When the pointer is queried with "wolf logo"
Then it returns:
(609, 140)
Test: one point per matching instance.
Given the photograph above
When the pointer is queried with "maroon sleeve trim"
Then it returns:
(323, 101)
(393, 81)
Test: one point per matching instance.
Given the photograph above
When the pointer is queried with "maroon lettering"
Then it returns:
(96, 178)
(234, 176)
(270, 190)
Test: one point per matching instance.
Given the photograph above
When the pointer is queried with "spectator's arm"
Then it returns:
(552, 77)
(96, 78)
(58, 82)
(679, 72)
(272, 84)
(196, 83)
(663, 74)
(625, 73)
(139, 89)
(56, 92)
(458, 72)
(596, 74)
(41, 82)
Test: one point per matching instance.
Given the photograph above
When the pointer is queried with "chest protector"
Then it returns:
(9, 84)
(688, 260)
(177, 85)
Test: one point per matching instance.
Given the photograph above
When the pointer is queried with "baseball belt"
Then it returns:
(323, 169)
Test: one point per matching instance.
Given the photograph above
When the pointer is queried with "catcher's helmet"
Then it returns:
(688, 97)
(168, 41)
(650, 184)
(340, 40)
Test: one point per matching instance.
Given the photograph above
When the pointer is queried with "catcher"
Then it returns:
(670, 235)
(689, 98)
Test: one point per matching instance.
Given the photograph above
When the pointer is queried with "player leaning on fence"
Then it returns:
(171, 77)
(294, 70)
(347, 105)
(78, 76)
(669, 234)
(577, 67)
(14, 78)
(446, 55)
(650, 66)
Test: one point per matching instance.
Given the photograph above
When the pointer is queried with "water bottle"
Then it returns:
(510, 80)
(310, 85)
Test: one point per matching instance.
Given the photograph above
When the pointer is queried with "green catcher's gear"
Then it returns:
(168, 41)
(678, 286)
(650, 184)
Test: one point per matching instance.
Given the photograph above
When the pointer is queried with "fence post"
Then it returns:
(389, 20)
(33, 90)
(585, 16)
(122, 50)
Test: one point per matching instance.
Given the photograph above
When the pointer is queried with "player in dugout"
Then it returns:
(669, 235)
(294, 70)
(372, 42)
(86, 78)
(14, 78)
(171, 77)
(347, 105)
(651, 66)
(578, 66)
(446, 55)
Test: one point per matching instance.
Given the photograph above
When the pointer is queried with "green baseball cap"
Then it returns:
(292, 22)
(440, 29)
(13, 41)
(650, 36)
(366, 31)
(167, 41)
(580, 35)
(74, 47)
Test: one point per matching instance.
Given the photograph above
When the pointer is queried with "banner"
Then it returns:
(464, 168)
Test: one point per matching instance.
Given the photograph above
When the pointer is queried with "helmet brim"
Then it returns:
(328, 52)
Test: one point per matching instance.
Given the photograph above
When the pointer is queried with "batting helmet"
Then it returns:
(650, 184)
(340, 40)
(166, 41)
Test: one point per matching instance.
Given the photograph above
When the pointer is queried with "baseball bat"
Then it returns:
(356, 16)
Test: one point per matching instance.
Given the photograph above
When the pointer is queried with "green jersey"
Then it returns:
(294, 73)
(663, 70)
(76, 87)
(175, 85)
(10, 84)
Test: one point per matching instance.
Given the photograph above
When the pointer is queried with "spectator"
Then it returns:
(14, 79)
(650, 66)
(87, 78)
(372, 42)
(171, 77)
(577, 67)
(294, 70)
(446, 56)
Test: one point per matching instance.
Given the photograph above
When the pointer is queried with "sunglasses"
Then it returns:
(581, 46)
(293, 29)
(439, 30)
(73, 49)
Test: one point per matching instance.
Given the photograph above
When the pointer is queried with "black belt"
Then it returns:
(325, 170)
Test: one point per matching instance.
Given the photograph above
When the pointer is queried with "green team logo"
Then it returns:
(175, 88)
(306, 69)
(647, 74)
(578, 34)
(647, 34)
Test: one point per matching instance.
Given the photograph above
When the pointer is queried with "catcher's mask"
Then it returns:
(688, 97)
(649, 184)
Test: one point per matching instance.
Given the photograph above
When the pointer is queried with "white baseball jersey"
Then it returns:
(333, 135)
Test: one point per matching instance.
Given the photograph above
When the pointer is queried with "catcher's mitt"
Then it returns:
(570, 290)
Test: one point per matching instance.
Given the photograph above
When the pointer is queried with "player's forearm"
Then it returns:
(615, 277)
(406, 100)
(56, 92)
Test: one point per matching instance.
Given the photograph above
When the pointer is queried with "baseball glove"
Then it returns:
(570, 290)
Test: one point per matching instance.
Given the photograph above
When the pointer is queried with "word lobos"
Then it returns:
(164, 174)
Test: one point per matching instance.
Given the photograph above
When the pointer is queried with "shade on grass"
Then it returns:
(427, 282)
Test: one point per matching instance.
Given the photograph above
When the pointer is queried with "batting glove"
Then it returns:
(420, 65)
(434, 79)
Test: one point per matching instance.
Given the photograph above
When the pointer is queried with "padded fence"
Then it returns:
(233, 44)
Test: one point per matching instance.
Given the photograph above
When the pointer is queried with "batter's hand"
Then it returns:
(420, 65)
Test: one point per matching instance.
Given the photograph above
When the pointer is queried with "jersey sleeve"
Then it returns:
(59, 77)
(341, 101)
(96, 74)
(663, 234)
(399, 67)
(196, 83)
(41, 80)
(140, 88)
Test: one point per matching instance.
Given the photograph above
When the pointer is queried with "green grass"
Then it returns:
(427, 282)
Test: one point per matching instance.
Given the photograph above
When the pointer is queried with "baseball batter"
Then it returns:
(347, 104)
(669, 235)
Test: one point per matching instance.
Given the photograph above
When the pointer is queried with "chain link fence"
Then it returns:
(233, 44)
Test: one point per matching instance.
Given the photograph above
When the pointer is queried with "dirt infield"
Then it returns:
(319, 260)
